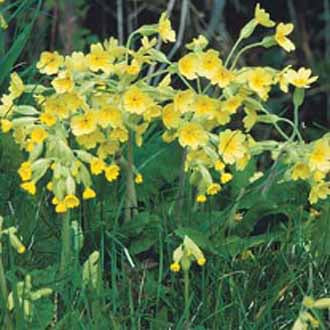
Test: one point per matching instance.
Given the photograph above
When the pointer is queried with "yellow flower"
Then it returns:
(222, 77)
(61, 207)
(232, 145)
(262, 17)
(201, 198)
(56, 105)
(110, 115)
(250, 119)
(231, 104)
(300, 171)
(213, 188)
(112, 172)
(30, 187)
(71, 201)
(38, 135)
(165, 30)
(201, 261)
(48, 118)
(282, 30)
(319, 191)
(99, 59)
(139, 179)
(89, 193)
(319, 159)
(119, 134)
(16, 86)
(301, 78)
(188, 66)
(6, 125)
(226, 177)
(204, 106)
(84, 124)
(63, 83)
(209, 63)
(50, 63)
(193, 135)
(50, 186)
(175, 267)
(260, 81)
(77, 62)
(97, 166)
(25, 171)
(171, 118)
(107, 148)
(219, 165)
(135, 101)
(183, 101)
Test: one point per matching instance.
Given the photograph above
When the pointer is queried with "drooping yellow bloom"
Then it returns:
(50, 63)
(6, 125)
(204, 106)
(89, 193)
(301, 78)
(319, 158)
(107, 148)
(60, 207)
(175, 267)
(300, 171)
(193, 135)
(71, 201)
(112, 172)
(188, 66)
(226, 177)
(48, 118)
(222, 77)
(219, 165)
(209, 63)
(16, 86)
(138, 178)
(201, 198)
(231, 104)
(250, 119)
(319, 191)
(171, 118)
(282, 30)
(136, 101)
(262, 17)
(165, 30)
(63, 83)
(183, 101)
(38, 135)
(260, 81)
(84, 124)
(99, 59)
(110, 115)
(25, 171)
(97, 166)
(76, 62)
(56, 105)
(232, 145)
(213, 188)
(30, 187)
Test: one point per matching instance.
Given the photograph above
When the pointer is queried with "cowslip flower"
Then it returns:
(319, 191)
(319, 158)
(63, 83)
(25, 171)
(84, 124)
(209, 63)
(213, 188)
(282, 30)
(30, 187)
(89, 193)
(112, 172)
(300, 171)
(38, 135)
(165, 30)
(188, 66)
(136, 101)
(16, 87)
(185, 253)
(262, 17)
(99, 59)
(71, 201)
(49, 63)
(301, 78)
(259, 81)
(6, 125)
(193, 135)
(232, 145)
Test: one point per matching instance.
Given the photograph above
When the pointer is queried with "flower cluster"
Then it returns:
(94, 104)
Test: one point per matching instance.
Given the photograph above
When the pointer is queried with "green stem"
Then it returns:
(131, 200)
(155, 74)
(243, 50)
(185, 82)
(186, 292)
(66, 246)
(296, 124)
(3, 287)
(232, 51)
